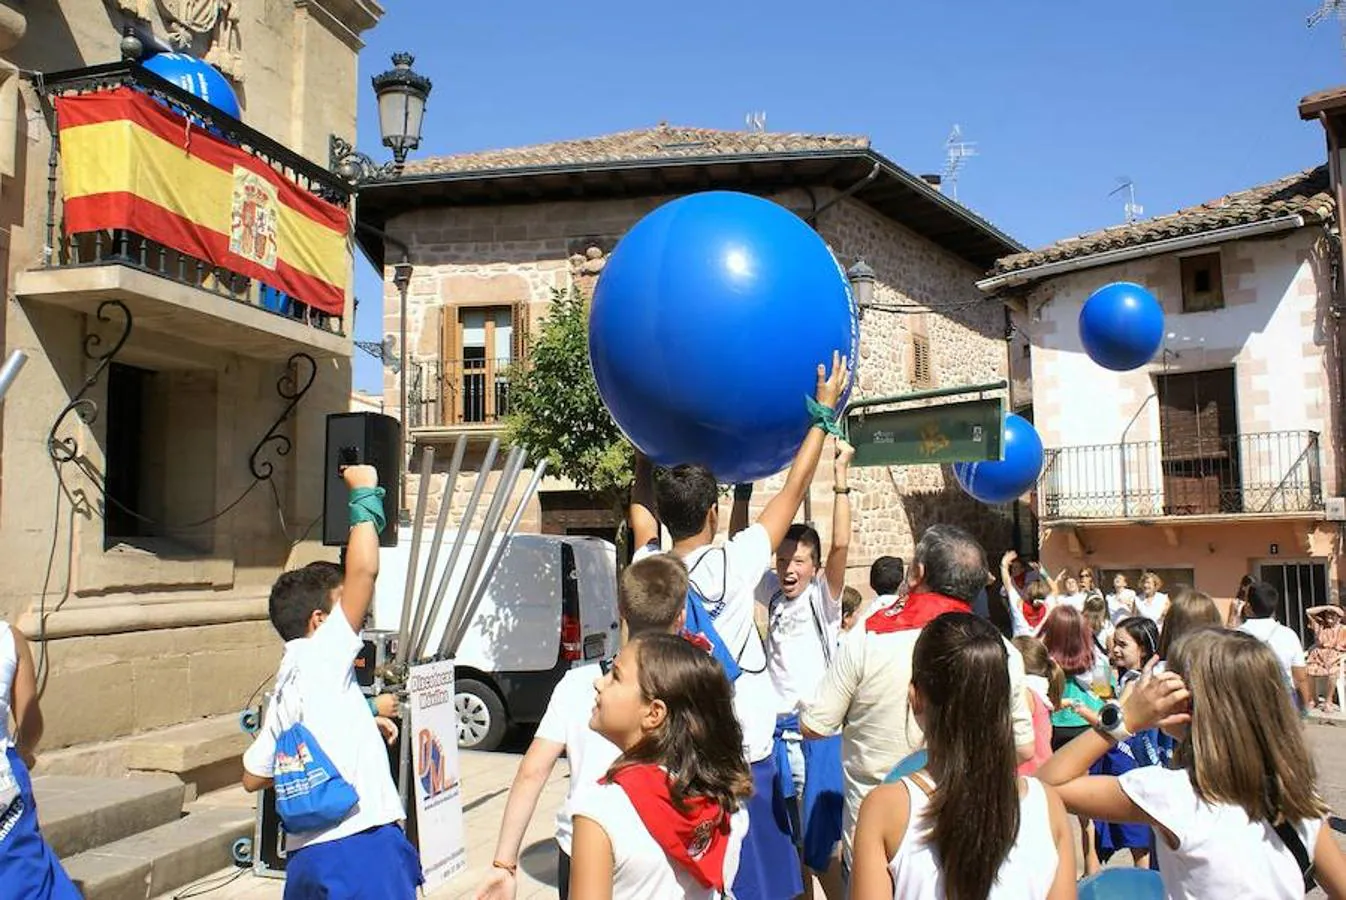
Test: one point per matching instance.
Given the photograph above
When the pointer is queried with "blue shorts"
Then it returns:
(28, 867)
(768, 867)
(375, 864)
(817, 786)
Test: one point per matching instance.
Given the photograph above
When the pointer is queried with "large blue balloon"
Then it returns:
(1007, 479)
(708, 324)
(197, 78)
(1121, 326)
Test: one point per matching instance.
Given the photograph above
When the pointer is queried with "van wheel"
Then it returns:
(481, 716)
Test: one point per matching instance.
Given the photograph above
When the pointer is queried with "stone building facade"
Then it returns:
(139, 557)
(504, 253)
(1217, 458)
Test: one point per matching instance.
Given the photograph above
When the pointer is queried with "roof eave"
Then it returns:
(1023, 277)
(887, 167)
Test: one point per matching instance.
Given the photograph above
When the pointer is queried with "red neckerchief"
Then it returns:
(697, 640)
(916, 613)
(1033, 614)
(695, 840)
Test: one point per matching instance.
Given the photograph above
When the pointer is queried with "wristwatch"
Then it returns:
(1112, 722)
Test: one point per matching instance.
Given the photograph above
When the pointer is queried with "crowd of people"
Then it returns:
(762, 725)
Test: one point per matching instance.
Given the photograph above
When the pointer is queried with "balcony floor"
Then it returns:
(1175, 521)
(170, 307)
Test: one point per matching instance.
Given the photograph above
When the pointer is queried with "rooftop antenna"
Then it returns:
(1132, 210)
(956, 151)
(756, 121)
(1331, 8)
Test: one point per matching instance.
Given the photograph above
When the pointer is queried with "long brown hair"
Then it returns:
(700, 743)
(1037, 661)
(1188, 610)
(961, 670)
(1245, 746)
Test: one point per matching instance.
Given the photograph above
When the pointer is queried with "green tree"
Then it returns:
(555, 410)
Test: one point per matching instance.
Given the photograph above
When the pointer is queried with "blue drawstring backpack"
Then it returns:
(311, 795)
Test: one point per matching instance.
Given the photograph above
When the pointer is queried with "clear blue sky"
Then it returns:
(1191, 99)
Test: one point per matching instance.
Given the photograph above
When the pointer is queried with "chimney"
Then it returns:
(934, 181)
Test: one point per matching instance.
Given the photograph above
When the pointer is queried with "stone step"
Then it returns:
(77, 813)
(163, 858)
(205, 755)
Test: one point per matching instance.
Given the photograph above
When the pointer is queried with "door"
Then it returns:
(1198, 429)
(1301, 585)
(479, 361)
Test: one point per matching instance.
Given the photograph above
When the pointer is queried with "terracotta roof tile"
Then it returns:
(1306, 194)
(659, 143)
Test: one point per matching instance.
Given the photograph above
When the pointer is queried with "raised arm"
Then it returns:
(640, 513)
(780, 510)
(840, 550)
(362, 546)
(27, 711)
(738, 514)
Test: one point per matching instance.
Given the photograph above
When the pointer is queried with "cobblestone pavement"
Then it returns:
(486, 780)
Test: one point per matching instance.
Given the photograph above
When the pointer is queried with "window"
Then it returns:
(1202, 283)
(482, 343)
(160, 450)
(922, 368)
(1198, 426)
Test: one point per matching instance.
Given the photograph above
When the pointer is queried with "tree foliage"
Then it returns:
(554, 407)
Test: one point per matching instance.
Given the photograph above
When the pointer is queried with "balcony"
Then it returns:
(168, 288)
(1267, 474)
(450, 397)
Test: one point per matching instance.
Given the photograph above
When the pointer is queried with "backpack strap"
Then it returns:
(1295, 844)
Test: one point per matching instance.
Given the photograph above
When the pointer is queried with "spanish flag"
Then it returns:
(130, 162)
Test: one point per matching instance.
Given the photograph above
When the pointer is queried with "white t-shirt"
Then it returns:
(316, 684)
(1075, 601)
(9, 666)
(1120, 605)
(1282, 641)
(1220, 852)
(1026, 874)
(1153, 608)
(727, 576)
(802, 636)
(640, 868)
(864, 697)
(566, 721)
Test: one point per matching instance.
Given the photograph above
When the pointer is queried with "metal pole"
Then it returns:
(489, 571)
(445, 501)
(11, 371)
(485, 537)
(404, 623)
(402, 285)
(469, 511)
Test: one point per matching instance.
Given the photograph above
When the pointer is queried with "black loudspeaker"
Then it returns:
(360, 439)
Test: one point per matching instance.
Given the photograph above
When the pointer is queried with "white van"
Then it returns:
(551, 604)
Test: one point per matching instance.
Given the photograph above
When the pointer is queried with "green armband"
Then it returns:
(823, 417)
(366, 505)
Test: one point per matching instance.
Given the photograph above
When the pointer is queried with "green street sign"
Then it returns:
(969, 431)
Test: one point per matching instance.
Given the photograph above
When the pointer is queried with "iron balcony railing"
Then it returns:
(1245, 474)
(127, 248)
(475, 391)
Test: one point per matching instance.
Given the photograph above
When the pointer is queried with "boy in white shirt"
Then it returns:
(725, 578)
(366, 853)
(1260, 608)
(651, 597)
(803, 603)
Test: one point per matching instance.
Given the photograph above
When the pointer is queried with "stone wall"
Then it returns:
(518, 254)
(140, 634)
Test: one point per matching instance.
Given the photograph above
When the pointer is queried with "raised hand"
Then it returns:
(830, 385)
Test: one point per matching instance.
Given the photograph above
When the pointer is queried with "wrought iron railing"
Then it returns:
(1268, 472)
(128, 248)
(475, 391)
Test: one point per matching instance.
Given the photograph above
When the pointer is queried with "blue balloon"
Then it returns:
(707, 327)
(197, 78)
(1001, 481)
(1121, 326)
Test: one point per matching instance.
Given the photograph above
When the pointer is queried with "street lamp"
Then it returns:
(401, 93)
(861, 277)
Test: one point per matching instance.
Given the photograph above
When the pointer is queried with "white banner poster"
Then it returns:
(435, 775)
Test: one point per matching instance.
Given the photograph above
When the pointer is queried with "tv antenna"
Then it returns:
(1132, 210)
(956, 152)
(1331, 8)
(756, 121)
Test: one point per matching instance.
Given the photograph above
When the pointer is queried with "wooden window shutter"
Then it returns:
(519, 350)
(922, 366)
